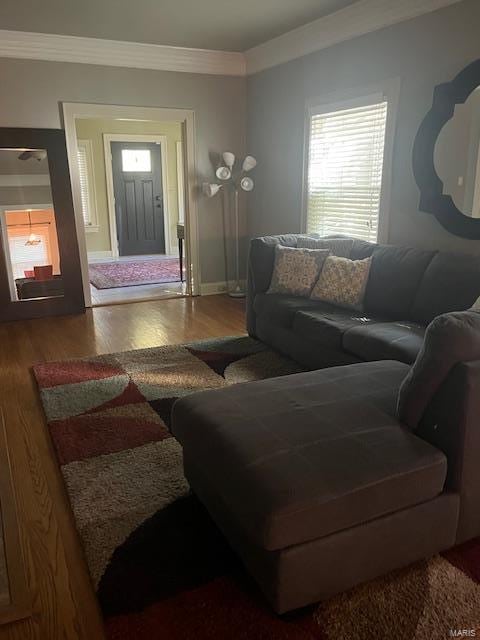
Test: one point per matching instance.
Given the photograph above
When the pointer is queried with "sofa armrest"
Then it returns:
(261, 257)
(451, 424)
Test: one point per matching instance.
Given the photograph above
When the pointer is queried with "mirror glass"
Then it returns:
(457, 156)
(29, 230)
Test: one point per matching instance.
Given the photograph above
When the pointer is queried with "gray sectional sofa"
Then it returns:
(406, 289)
(328, 478)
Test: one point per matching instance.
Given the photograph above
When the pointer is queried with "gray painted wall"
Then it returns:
(422, 52)
(32, 92)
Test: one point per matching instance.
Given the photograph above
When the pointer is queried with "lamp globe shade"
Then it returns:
(211, 189)
(247, 184)
(249, 163)
(223, 173)
(229, 159)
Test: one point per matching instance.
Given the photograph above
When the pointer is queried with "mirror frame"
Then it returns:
(53, 141)
(432, 199)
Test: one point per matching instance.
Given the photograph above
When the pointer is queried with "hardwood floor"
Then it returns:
(63, 600)
(139, 293)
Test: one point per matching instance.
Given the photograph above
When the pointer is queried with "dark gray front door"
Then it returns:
(137, 184)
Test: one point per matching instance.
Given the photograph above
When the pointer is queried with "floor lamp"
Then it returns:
(234, 182)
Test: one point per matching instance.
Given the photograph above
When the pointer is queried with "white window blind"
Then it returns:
(345, 166)
(86, 183)
(24, 257)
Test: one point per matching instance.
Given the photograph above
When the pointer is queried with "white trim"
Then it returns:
(117, 53)
(215, 288)
(25, 180)
(180, 182)
(73, 111)
(358, 19)
(99, 256)
(388, 91)
(125, 137)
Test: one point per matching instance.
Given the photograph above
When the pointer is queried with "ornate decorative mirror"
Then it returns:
(40, 265)
(446, 155)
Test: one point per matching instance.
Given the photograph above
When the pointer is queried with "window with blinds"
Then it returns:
(345, 166)
(85, 168)
(25, 257)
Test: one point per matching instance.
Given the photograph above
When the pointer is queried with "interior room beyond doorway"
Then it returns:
(133, 208)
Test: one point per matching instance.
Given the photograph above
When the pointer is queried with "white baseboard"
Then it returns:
(214, 288)
(99, 256)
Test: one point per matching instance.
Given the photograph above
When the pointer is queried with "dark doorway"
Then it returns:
(137, 185)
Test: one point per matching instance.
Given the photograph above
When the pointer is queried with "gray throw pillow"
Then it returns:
(295, 271)
(450, 338)
(341, 247)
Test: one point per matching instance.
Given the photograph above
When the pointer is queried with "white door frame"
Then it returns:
(73, 111)
(125, 137)
(6, 247)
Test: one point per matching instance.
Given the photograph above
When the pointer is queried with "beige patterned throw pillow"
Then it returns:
(296, 270)
(342, 282)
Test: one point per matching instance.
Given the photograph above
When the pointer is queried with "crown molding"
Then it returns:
(115, 53)
(358, 19)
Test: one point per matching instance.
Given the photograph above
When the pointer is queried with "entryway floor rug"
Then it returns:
(160, 567)
(126, 273)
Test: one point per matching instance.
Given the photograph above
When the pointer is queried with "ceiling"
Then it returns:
(229, 25)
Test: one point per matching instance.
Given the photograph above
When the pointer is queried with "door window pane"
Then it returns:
(136, 160)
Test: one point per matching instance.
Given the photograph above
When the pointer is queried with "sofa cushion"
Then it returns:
(328, 326)
(395, 276)
(450, 339)
(307, 352)
(451, 283)
(280, 309)
(303, 456)
(385, 341)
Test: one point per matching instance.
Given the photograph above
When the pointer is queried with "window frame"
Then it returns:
(94, 226)
(388, 92)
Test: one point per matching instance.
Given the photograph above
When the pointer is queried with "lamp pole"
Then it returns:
(237, 292)
(225, 174)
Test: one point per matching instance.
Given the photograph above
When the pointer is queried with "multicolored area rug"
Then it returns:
(160, 567)
(111, 275)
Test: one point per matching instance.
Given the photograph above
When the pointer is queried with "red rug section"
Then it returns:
(111, 275)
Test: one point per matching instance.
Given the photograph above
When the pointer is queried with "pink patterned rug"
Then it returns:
(109, 275)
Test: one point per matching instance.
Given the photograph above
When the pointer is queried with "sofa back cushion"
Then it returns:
(450, 339)
(337, 246)
(451, 283)
(362, 249)
(395, 277)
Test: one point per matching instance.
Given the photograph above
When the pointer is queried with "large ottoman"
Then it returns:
(313, 481)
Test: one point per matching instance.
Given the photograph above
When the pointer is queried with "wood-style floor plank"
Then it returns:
(64, 604)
